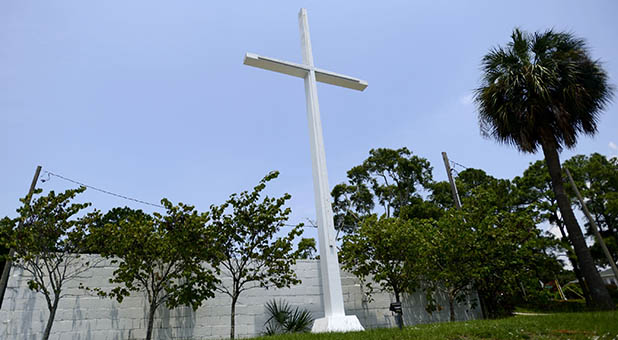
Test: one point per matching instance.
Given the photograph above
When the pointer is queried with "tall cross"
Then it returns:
(332, 296)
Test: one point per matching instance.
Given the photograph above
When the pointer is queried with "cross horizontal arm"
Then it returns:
(299, 70)
(339, 80)
(276, 65)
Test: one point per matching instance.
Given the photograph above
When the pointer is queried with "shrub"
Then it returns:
(285, 319)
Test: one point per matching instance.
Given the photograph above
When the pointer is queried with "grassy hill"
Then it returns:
(590, 325)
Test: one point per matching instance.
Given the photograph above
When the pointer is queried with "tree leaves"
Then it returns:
(47, 240)
(388, 177)
(541, 87)
(251, 254)
(386, 251)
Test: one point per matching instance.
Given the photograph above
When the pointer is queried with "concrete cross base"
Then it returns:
(341, 323)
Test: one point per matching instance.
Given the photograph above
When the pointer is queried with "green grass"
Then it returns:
(590, 325)
(556, 306)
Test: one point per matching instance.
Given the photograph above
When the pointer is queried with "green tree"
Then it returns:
(534, 190)
(48, 243)
(543, 90)
(160, 255)
(441, 195)
(450, 257)
(596, 178)
(390, 178)
(307, 249)
(95, 244)
(251, 255)
(384, 251)
(510, 250)
(507, 252)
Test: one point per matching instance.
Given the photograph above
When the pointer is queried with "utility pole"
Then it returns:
(447, 165)
(7, 265)
(595, 228)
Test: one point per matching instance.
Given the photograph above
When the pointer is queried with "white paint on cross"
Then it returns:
(334, 319)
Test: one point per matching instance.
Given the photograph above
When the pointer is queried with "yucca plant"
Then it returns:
(283, 318)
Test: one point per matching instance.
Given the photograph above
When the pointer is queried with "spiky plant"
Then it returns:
(544, 90)
(285, 319)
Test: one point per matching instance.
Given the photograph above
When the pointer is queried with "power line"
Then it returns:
(457, 164)
(49, 173)
(295, 225)
(465, 167)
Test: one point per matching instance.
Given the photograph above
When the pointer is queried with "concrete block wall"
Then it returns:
(83, 316)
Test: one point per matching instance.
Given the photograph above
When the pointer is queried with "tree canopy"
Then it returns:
(161, 255)
(47, 238)
(251, 252)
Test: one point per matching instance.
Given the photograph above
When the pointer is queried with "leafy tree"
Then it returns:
(390, 178)
(543, 90)
(516, 255)
(95, 244)
(48, 243)
(467, 182)
(441, 195)
(160, 255)
(510, 250)
(474, 181)
(450, 256)
(478, 242)
(384, 251)
(534, 190)
(307, 249)
(596, 178)
(251, 255)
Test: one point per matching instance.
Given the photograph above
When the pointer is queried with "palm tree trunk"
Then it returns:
(598, 292)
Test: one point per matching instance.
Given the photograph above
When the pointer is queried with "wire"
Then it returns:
(459, 164)
(49, 173)
(305, 225)
(453, 164)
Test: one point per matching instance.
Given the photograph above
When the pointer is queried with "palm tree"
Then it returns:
(543, 90)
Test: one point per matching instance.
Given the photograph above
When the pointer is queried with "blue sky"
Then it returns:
(150, 99)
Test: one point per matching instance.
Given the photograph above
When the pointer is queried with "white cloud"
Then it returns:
(613, 146)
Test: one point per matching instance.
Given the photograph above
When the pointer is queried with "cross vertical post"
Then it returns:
(331, 278)
(334, 319)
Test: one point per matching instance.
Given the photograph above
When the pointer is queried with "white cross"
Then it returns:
(335, 318)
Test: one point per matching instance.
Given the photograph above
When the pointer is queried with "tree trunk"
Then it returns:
(233, 318)
(398, 316)
(451, 300)
(598, 292)
(151, 316)
(578, 273)
(52, 316)
(483, 305)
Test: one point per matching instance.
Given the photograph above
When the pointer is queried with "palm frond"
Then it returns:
(541, 87)
(299, 321)
(283, 319)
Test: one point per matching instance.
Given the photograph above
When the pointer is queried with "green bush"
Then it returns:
(285, 319)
